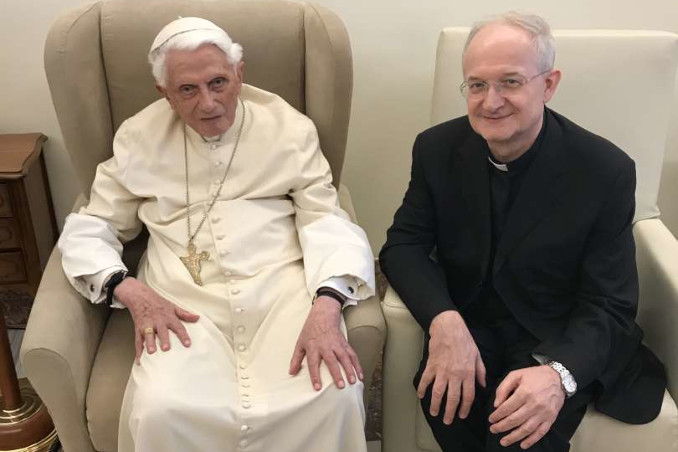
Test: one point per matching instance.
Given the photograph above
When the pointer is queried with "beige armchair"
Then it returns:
(618, 84)
(78, 356)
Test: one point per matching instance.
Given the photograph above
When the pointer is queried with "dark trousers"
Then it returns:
(504, 346)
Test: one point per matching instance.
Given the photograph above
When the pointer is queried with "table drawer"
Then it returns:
(12, 268)
(9, 234)
(5, 207)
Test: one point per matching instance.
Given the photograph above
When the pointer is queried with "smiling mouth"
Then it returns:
(211, 118)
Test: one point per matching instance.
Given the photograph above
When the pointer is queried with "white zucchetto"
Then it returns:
(186, 25)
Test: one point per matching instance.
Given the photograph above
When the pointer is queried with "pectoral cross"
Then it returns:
(192, 262)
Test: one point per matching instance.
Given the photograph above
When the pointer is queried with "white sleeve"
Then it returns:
(346, 285)
(332, 246)
(90, 253)
(91, 241)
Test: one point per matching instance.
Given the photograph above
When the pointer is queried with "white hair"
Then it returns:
(538, 29)
(190, 41)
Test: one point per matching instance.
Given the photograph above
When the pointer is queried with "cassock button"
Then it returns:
(217, 163)
(239, 310)
(244, 377)
(220, 237)
(213, 146)
(242, 366)
(233, 281)
(246, 405)
(242, 348)
(235, 291)
(241, 329)
(245, 385)
(244, 428)
(223, 253)
(216, 219)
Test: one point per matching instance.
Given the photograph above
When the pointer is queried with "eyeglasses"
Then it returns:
(505, 86)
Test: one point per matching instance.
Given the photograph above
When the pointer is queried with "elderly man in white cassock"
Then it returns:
(249, 262)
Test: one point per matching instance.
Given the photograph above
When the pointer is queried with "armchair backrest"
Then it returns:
(95, 60)
(616, 83)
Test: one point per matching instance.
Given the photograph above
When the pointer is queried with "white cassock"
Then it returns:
(275, 235)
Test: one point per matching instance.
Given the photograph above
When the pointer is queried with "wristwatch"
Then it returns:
(332, 293)
(566, 379)
(115, 279)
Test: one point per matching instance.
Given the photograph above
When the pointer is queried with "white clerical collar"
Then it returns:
(499, 166)
(214, 139)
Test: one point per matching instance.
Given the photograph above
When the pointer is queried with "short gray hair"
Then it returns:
(538, 29)
(190, 41)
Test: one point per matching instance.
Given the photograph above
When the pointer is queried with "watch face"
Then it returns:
(569, 384)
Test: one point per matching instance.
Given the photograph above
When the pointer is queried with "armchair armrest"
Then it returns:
(402, 354)
(365, 325)
(366, 331)
(657, 260)
(61, 340)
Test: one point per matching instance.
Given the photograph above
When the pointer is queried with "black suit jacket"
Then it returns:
(565, 263)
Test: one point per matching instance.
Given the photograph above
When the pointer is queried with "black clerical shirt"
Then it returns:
(505, 182)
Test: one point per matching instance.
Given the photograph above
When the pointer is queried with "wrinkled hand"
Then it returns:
(453, 364)
(322, 340)
(150, 310)
(527, 402)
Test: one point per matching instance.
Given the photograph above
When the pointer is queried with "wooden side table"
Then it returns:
(27, 224)
(27, 235)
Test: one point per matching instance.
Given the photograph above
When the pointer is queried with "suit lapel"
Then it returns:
(472, 172)
(543, 185)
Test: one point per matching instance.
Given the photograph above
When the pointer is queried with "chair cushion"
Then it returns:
(129, 27)
(110, 372)
(600, 433)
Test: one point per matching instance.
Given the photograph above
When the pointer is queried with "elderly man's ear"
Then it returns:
(162, 91)
(240, 70)
(551, 82)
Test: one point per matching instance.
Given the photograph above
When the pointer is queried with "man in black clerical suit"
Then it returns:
(513, 249)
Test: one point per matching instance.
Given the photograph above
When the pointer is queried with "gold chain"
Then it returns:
(221, 183)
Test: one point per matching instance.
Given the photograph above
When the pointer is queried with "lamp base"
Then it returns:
(43, 445)
(28, 428)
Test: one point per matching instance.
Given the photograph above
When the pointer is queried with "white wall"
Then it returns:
(394, 49)
(25, 102)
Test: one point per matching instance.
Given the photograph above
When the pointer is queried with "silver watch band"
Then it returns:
(567, 380)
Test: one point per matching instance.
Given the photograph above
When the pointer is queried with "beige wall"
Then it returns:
(394, 49)
(25, 102)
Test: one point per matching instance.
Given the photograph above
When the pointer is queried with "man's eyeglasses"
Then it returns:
(505, 86)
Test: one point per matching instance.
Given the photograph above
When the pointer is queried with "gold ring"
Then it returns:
(149, 330)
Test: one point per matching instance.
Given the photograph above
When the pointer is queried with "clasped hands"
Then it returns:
(320, 339)
(526, 403)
